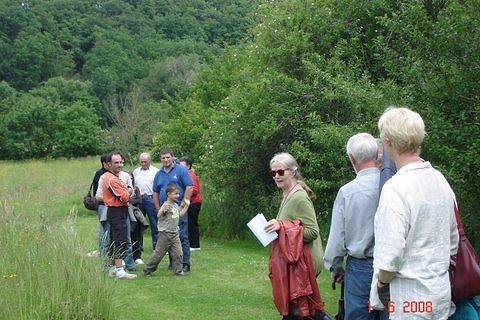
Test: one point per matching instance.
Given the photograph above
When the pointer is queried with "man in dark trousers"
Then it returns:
(116, 195)
(195, 206)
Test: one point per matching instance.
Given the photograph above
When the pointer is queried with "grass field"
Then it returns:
(44, 274)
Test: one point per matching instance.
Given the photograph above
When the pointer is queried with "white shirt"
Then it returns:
(415, 234)
(144, 179)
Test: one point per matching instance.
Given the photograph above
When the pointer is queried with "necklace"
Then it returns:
(288, 194)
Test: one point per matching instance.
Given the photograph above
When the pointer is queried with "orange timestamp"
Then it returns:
(408, 307)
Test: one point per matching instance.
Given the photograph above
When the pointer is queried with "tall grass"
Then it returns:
(44, 274)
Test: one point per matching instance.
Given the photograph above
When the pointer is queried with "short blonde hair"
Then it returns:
(404, 129)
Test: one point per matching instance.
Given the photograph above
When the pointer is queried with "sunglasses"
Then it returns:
(280, 172)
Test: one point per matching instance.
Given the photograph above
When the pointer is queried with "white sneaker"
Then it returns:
(120, 273)
(94, 253)
(194, 249)
(112, 271)
(139, 261)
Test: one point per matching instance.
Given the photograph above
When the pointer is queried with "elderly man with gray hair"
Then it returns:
(143, 177)
(351, 230)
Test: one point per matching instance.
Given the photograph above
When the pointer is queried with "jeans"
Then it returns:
(148, 208)
(103, 235)
(101, 231)
(128, 258)
(183, 226)
(358, 279)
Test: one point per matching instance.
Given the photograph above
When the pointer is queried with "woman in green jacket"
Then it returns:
(297, 204)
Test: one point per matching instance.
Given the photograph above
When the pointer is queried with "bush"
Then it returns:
(77, 132)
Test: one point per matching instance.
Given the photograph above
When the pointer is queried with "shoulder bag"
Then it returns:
(89, 201)
(464, 268)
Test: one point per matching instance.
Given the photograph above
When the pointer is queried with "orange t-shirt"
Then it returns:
(115, 192)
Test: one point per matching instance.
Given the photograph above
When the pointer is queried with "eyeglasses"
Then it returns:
(280, 172)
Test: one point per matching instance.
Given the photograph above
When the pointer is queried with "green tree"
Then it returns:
(114, 64)
(432, 52)
(37, 57)
(77, 131)
(27, 128)
(316, 72)
(134, 124)
(172, 77)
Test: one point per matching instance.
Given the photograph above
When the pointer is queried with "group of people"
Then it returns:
(394, 223)
(169, 197)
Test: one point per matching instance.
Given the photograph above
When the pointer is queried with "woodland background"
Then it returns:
(231, 82)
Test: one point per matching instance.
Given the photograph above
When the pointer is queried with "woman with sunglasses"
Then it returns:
(296, 207)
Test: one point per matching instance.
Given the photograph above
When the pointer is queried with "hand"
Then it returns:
(383, 291)
(162, 210)
(337, 277)
(272, 225)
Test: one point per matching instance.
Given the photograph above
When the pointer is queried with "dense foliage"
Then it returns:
(314, 73)
(308, 74)
(111, 49)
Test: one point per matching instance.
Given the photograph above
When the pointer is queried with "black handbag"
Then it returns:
(89, 201)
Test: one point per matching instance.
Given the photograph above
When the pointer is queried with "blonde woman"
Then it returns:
(415, 227)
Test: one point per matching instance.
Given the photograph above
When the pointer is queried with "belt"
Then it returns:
(147, 196)
(366, 258)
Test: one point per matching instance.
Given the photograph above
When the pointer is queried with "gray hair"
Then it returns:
(288, 160)
(145, 154)
(362, 147)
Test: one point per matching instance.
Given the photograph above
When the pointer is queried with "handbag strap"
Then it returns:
(90, 190)
(461, 230)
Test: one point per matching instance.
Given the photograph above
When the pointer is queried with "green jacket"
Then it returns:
(299, 206)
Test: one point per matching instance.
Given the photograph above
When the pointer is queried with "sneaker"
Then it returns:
(111, 271)
(94, 254)
(194, 249)
(186, 268)
(139, 261)
(181, 273)
(120, 273)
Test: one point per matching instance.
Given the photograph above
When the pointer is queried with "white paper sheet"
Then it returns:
(256, 225)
